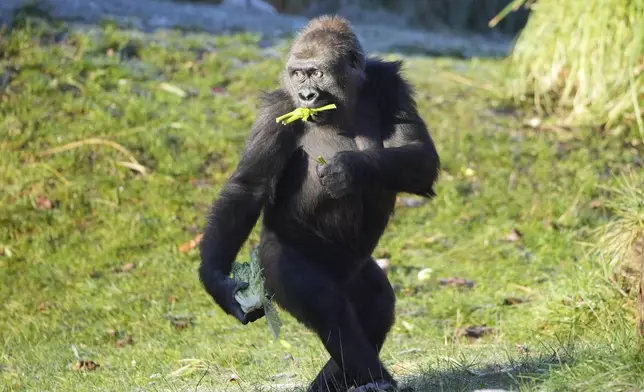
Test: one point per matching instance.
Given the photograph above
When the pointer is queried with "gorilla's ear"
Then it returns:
(357, 64)
(356, 60)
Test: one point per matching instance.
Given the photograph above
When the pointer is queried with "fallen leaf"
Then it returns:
(200, 183)
(514, 301)
(477, 331)
(125, 341)
(433, 239)
(173, 299)
(285, 344)
(454, 281)
(410, 202)
(190, 245)
(595, 204)
(402, 369)
(173, 89)
(523, 349)
(85, 365)
(128, 267)
(383, 254)
(408, 326)
(43, 203)
(216, 90)
(44, 306)
(283, 375)
(180, 324)
(514, 236)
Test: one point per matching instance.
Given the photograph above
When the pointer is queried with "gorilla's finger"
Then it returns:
(254, 315)
(241, 286)
(239, 314)
(321, 170)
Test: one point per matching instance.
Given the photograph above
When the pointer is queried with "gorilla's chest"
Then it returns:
(301, 193)
(326, 142)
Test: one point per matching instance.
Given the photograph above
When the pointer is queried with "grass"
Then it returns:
(619, 236)
(583, 62)
(107, 173)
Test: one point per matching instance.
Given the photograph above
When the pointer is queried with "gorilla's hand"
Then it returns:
(339, 176)
(224, 290)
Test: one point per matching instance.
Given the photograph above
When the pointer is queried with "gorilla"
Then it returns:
(322, 219)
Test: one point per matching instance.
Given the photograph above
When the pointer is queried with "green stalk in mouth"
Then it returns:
(303, 114)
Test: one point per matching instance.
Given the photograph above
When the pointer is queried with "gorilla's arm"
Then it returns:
(234, 214)
(409, 162)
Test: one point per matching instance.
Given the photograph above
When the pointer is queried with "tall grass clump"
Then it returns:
(584, 61)
(621, 241)
(625, 201)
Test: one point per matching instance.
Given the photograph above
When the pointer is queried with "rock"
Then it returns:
(383, 264)
(257, 5)
(425, 274)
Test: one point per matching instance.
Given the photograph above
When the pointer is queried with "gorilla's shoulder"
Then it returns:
(276, 101)
(387, 84)
(380, 69)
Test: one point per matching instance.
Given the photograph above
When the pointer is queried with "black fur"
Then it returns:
(322, 222)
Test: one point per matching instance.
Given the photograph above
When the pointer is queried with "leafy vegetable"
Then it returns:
(302, 113)
(254, 296)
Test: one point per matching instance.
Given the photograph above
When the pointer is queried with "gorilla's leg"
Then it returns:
(306, 290)
(372, 296)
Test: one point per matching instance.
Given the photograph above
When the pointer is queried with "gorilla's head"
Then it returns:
(326, 64)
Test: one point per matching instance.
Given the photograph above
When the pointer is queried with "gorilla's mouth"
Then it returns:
(324, 116)
(322, 100)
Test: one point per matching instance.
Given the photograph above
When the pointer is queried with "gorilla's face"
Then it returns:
(318, 74)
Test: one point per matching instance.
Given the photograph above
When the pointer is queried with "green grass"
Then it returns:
(67, 285)
(583, 62)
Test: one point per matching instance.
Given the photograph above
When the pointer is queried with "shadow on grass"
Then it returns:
(451, 375)
(462, 376)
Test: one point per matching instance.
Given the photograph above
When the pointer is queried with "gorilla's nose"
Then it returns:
(308, 94)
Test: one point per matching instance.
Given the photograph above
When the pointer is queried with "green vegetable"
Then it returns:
(254, 296)
(249, 298)
(302, 113)
(320, 160)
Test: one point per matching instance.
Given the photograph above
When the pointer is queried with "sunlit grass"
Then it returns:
(583, 61)
(92, 265)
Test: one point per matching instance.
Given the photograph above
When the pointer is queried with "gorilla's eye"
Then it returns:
(317, 73)
(298, 74)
